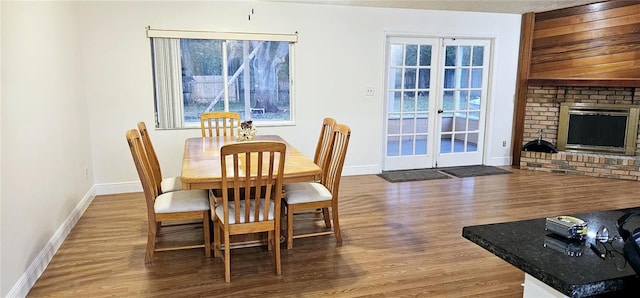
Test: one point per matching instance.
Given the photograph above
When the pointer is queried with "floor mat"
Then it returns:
(472, 171)
(412, 175)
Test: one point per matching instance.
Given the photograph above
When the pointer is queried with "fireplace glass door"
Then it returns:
(598, 128)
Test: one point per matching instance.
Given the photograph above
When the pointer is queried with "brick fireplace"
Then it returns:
(542, 113)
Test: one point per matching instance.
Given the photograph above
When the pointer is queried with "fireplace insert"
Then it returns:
(606, 128)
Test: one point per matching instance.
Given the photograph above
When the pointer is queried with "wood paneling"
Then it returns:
(528, 21)
(595, 45)
(399, 239)
(583, 10)
(597, 41)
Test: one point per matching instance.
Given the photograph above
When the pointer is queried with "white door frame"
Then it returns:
(432, 158)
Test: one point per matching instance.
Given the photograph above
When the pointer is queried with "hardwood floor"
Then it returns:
(401, 239)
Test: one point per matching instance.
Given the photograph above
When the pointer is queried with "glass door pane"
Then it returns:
(409, 79)
(464, 89)
(408, 99)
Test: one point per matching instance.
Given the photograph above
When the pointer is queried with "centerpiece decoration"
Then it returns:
(246, 132)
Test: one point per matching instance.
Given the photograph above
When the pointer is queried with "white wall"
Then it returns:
(340, 52)
(1, 293)
(77, 75)
(45, 133)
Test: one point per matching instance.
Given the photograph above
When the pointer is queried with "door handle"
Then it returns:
(440, 111)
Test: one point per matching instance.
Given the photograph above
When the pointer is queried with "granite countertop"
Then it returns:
(522, 244)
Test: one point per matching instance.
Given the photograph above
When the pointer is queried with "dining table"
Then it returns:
(201, 167)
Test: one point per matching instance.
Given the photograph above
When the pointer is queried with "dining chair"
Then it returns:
(322, 152)
(225, 122)
(166, 184)
(323, 194)
(251, 196)
(179, 206)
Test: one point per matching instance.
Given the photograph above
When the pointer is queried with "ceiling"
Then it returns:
(497, 6)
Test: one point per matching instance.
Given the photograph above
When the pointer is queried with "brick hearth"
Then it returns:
(542, 111)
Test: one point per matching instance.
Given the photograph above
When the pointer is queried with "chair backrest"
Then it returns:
(226, 122)
(144, 171)
(324, 143)
(151, 155)
(337, 154)
(263, 163)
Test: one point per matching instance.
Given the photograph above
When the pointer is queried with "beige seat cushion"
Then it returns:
(182, 201)
(306, 192)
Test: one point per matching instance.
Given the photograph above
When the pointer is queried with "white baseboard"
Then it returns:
(135, 186)
(41, 261)
(115, 188)
(361, 170)
(499, 161)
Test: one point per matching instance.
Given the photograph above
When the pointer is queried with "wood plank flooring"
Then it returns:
(399, 239)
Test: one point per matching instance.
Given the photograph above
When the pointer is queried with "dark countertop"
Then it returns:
(521, 243)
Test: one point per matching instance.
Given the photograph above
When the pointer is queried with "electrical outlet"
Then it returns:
(369, 91)
(86, 172)
(504, 143)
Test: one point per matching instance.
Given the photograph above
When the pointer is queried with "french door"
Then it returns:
(436, 102)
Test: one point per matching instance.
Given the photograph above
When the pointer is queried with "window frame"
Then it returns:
(173, 104)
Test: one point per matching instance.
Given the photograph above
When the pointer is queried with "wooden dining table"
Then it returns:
(201, 162)
(201, 169)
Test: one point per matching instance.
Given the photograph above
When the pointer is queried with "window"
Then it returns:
(198, 72)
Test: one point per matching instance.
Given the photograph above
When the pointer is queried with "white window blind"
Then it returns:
(168, 81)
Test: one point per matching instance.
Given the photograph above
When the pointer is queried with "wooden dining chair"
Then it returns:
(179, 206)
(322, 153)
(251, 196)
(224, 123)
(166, 184)
(324, 194)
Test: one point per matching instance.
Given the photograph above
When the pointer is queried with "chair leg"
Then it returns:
(336, 223)
(217, 232)
(276, 250)
(151, 242)
(283, 216)
(327, 217)
(227, 258)
(289, 227)
(270, 240)
(206, 226)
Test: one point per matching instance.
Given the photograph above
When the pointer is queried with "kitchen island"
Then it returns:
(560, 267)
